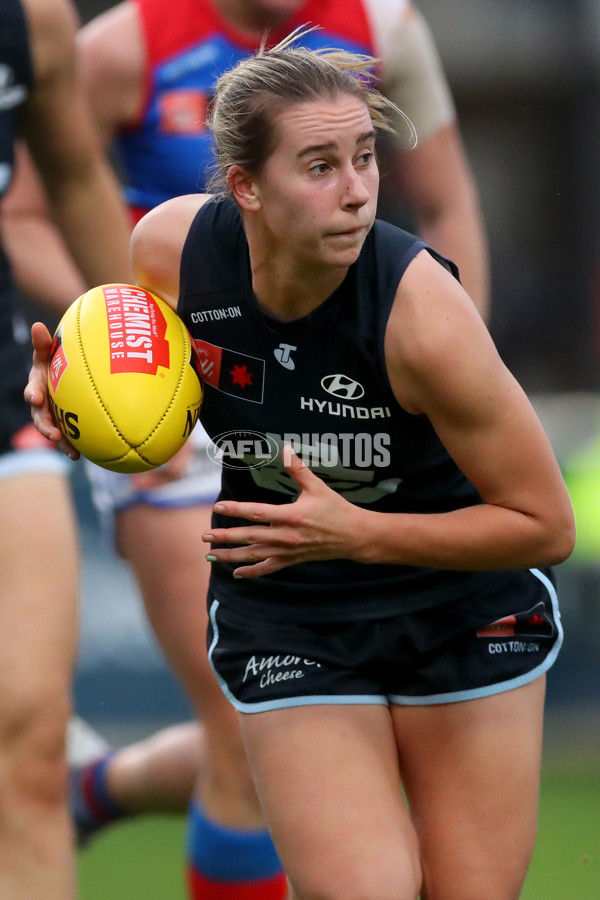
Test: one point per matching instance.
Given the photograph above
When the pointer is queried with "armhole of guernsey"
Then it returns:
(210, 245)
(397, 249)
(186, 264)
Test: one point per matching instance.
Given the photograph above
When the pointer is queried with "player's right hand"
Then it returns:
(36, 393)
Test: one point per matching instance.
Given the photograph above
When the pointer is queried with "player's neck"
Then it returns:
(287, 294)
(248, 19)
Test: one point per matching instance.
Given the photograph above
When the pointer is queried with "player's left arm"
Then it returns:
(442, 363)
(434, 180)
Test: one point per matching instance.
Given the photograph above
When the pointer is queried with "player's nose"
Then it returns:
(355, 192)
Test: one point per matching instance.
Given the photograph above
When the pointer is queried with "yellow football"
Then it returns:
(122, 383)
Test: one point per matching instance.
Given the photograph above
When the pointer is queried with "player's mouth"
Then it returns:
(349, 232)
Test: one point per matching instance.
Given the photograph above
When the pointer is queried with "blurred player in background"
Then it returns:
(150, 67)
(41, 100)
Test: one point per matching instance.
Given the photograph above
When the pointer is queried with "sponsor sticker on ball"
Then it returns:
(58, 361)
(136, 331)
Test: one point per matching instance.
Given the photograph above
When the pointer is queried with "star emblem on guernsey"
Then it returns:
(240, 375)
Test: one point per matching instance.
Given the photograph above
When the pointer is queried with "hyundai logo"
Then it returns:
(342, 386)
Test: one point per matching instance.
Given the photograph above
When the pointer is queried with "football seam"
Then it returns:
(137, 448)
(177, 390)
(93, 383)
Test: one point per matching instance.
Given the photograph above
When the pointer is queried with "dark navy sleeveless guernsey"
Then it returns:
(320, 383)
(15, 82)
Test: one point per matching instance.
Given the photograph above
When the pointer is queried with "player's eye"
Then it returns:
(319, 168)
(365, 158)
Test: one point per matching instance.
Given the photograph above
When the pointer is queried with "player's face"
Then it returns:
(318, 189)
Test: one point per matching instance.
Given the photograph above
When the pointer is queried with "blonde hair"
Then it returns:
(251, 95)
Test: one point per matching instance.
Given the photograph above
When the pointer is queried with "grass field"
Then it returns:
(142, 860)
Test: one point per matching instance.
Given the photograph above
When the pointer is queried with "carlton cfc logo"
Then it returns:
(343, 387)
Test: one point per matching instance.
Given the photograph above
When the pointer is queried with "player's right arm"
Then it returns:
(156, 246)
(110, 71)
(82, 191)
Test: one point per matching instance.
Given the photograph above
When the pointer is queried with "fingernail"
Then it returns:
(211, 559)
(237, 577)
(208, 537)
(219, 508)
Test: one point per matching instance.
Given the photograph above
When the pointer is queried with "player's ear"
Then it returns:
(243, 188)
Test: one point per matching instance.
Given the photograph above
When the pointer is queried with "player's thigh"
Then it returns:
(39, 562)
(471, 773)
(328, 779)
(165, 550)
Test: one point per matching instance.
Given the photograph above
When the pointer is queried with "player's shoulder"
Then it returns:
(112, 64)
(158, 239)
(431, 317)
(386, 17)
(113, 36)
(396, 8)
(177, 214)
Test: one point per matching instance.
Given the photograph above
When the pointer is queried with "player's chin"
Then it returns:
(346, 246)
(342, 256)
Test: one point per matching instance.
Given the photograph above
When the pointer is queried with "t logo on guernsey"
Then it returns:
(136, 330)
(282, 355)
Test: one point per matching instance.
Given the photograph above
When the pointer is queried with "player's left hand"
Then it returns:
(318, 525)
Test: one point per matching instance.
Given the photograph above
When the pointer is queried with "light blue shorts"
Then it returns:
(35, 456)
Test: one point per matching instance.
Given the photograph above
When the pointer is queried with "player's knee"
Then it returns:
(32, 748)
(230, 777)
(399, 880)
(502, 881)
(226, 755)
(401, 892)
